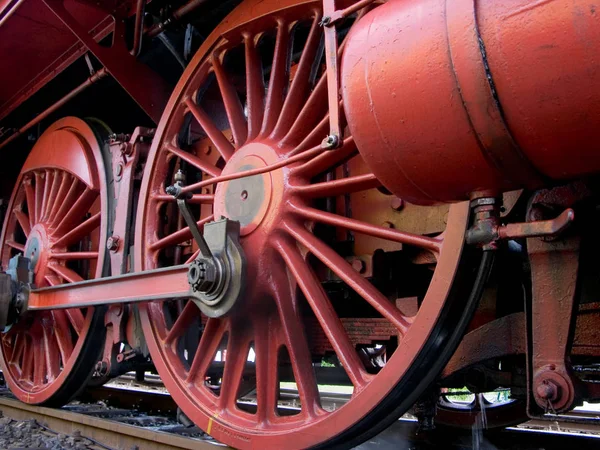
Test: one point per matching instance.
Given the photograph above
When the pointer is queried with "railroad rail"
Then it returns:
(126, 427)
(109, 432)
(141, 413)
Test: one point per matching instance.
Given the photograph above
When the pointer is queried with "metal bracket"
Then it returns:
(144, 85)
(331, 17)
(217, 275)
(125, 153)
(554, 267)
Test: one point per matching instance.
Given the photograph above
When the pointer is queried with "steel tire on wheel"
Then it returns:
(57, 216)
(221, 120)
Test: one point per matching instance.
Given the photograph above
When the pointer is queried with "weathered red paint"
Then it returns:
(59, 200)
(276, 236)
(436, 120)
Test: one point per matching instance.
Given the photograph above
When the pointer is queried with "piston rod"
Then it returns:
(100, 74)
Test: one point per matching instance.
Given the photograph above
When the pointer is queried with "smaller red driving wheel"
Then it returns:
(57, 219)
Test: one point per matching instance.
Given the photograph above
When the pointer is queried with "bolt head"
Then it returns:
(172, 190)
(112, 243)
(358, 265)
(548, 390)
(330, 142)
(397, 203)
(179, 177)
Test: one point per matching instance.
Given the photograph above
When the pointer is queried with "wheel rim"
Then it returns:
(265, 129)
(58, 221)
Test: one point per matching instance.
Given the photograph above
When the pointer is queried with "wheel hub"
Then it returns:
(37, 248)
(249, 200)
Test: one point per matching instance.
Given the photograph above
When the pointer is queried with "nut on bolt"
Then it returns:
(548, 390)
(112, 243)
(397, 203)
(202, 275)
(330, 142)
(359, 265)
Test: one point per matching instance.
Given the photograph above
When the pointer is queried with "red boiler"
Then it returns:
(448, 97)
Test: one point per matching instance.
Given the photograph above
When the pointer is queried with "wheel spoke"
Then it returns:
(231, 101)
(62, 330)
(23, 220)
(338, 187)
(52, 280)
(314, 108)
(16, 246)
(279, 79)
(48, 181)
(62, 196)
(53, 195)
(194, 161)
(267, 381)
(72, 196)
(39, 195)
(342, 269)
(179, 236)
(327, 160)
(77, 211)
(182, 323)
(30, 198)
(69, 275)
(17, 348)
(207, 347)
(51, 353)
(255, 87)
(325, 313)
(301, 83)
(315, 137)
(390, 234)
(39, 361)
(238, 345)
(79, 232)
(297, 346)
(224, 147)
(193, 257)
(76, 318)
(28, 363)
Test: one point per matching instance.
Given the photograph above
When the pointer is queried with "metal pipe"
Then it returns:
(177, 15)
(139, 28)
(9, 11)
(82, 87)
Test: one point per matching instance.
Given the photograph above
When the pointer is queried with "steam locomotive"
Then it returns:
(394, 198)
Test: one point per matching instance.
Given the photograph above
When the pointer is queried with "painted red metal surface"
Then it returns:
(278, 217)
(33, 40)
(58, 220)
(102, 73)
(146, 87)
(447, 98)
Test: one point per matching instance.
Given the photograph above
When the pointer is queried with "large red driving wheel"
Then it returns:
(255, 95)
(57, 218)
